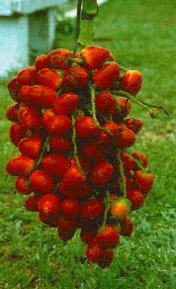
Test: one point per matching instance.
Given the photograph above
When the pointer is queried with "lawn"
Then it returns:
(142, 35)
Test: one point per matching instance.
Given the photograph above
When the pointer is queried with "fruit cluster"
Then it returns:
(71, 127)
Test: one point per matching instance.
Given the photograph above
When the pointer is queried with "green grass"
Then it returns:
(141, 34)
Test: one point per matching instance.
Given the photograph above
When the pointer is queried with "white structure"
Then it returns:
(27, 27)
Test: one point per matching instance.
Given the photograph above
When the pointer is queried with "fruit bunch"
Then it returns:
(70, 123)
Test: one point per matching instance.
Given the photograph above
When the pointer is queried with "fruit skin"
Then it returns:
(106, 103)
(91, 209)
(42, 61)
(38, 95)
(131, 81)
(94, 56)
(66, 228)
(126, 227)
(22, 186)
(30, 146)
(66, 103)
(143, 181)
(126, 137)
(30, 117)
(50, 220)
(49, 205)
(101, 173)
(106, 259)
(109, 133)
(20, 166)
(32, 203)
(136, 198)
(125, 105)
(127, 160)
(27, 76)
(120, 208)
(17, 132)
(14, 88)
(94, 251)
(134, 124)
(41, 182)
(86, 127)
(49, 77)
(107, 75)
(55, 165)
(108, 236)
(58, 58)
(76, 77)
(60, 144)
(70, 208)
(12, 112)
(141, 158)
(92, 152)
(87, 236)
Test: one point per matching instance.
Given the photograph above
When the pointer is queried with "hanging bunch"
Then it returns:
(70, 122)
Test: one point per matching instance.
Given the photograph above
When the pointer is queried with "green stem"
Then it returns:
(75, 148)
(94, 115)
(122, 174)
(42, 151)
(77, 29)
(108, 206)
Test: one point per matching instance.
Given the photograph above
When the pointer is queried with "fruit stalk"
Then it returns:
(43, 151)
(75, 148)
(122, 183)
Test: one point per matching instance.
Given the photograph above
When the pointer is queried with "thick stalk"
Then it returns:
(122, 182)
(108, 206)
(75, 148)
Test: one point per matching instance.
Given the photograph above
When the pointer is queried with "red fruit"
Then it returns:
(86, 127)
(17, 132)
(134, 124)
(107, 75)
(127, 160)
(20, 165)
(22, 186)
(41, 182)
(49, 205)
(85, 165)
(102, 173)
(120, 208)
(58, 58)
(126, 136)
(32, 203)
(66, 103)
(60, 144)
(131, 81)
(108, 236)
(109, 133)
(42, 61)
(92, 152)
(136, 198)
(70, 208)
(106, 103)
(56, 125)
(126, 227)
(87, 236)
(27, 76)
(83, 190)
(94, 251)
(143, 181)
(141, 158)
(50, 220)
(38, 95)
(91, 209)
(12, 112)
(14, 88)
(55, 165)
(94, 56)
(106, 259)
(72, 178)
(66, 235)
(30, 118)
(125, 105)
(76, 77)
(49, 77)
(65, 224)
(30, 146)
(47, 116)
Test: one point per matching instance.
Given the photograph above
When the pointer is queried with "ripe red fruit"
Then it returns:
(70, 208)
(101, 174)
(120, 208)
(38, 95)
(30, 117)
(55, 165)
(30, 146)
(143, 181)
(106, 259)
(126, 136)
(20, 165)
(66, 103)
(136, 198)
(42, 61)
(50, 220)
(66, 224)
(87, 236)
(49, 205)
(92, 152)
(58, 58)
(127, 160)
(107, 75)
(106, 103)
(60, 144)
(141, 158)
(22, 186)
(17, 132)
(108, 236)
(109, 133)
(32, 203)
(56, 124)
(134, 124)
(76, 77)
(94, 56)
(14, 88)
(41, 182)
(94, 251)
(27, 76)
(131, 81)
(125, 105)
(86, 127)
(91, 209)
(66, 235)
(12, 112)
(126, 227)
(49, 77)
